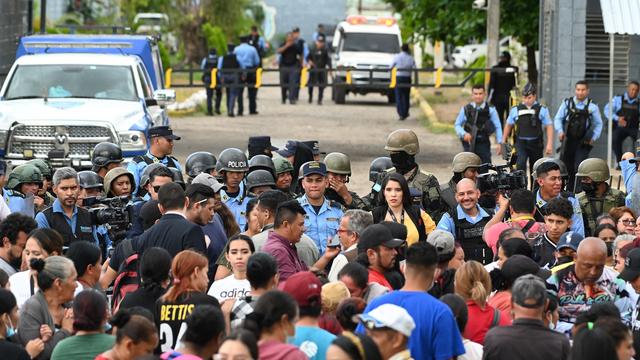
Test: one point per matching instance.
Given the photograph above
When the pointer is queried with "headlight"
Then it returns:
(132, 140)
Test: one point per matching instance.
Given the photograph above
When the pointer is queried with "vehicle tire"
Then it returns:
(391, 97)
(339, 93)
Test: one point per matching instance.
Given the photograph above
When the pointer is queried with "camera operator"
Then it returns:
(466, 222)
(465, 165)
(90, 186)
(71, 221)
(549, 180)
(629, 167)
(158, 176)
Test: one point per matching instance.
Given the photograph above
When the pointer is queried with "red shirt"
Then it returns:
(379, 278)
(285, 254)
(481, 320)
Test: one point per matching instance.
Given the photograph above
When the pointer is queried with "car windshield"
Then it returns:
(385, 43)
(69, 81)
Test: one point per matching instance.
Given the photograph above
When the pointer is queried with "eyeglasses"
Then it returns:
(628, 222)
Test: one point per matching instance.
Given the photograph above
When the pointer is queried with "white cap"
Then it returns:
(209, 180)
(390, 316)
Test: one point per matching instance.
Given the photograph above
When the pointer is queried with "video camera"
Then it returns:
(502, 180)
(115, 213)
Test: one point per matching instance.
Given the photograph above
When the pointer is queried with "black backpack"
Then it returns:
(128, 279)
(578, 121)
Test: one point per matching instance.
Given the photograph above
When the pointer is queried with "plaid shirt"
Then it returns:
(240, 310)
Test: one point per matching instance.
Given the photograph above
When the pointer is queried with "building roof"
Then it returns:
(621, 16)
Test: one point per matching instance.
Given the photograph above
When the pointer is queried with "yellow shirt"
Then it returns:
(412, 230)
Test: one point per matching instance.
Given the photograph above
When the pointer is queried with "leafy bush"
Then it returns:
(215, 38)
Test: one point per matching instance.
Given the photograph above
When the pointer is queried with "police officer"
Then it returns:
(597, 196)
(466, 222)
(377, 167)
(502, 81)
(529, 118)
(230, 76)
(153, 178)
(200, 162)
(403, 147)
(578, 124)
(475, 124)
(314, 145)
(209, 63)
(262, 162)
(564, 174)
(257, 42)
(43, 198)
(625, 115)
(465, 165)
(260, 145)
(259, 181)
(90, 186)
(319, 62)
(232, 166)
(284, 175)
(338, 173)
(323, 216)
(22, 185)
(106, 156)
(161, 139)
(249, 60)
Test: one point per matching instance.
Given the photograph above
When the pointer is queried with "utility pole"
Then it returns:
(43, 16)
(359, 7)
(493, 32)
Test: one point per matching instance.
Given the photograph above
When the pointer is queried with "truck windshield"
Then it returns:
(384, 43)
(68, 81)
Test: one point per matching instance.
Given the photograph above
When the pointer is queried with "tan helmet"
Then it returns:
(538, 163)
(595, 169)
(338, 163)
(403, 140)
(464, 160)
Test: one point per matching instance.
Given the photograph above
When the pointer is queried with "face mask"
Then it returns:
(10, 329)
(552, 326)
(589, 188)
(403, 162)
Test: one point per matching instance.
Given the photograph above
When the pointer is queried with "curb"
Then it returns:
(428, 112)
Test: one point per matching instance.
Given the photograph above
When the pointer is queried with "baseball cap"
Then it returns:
(518, 265)
(164, 131)
(332, 294)
(529, 291)
(313, 167)
(631, 266)
(314, 145)
(570, 239)
(289, 149)
(209, 180)
(261, 142)
(376, 235)
(304, 287)
(389, 316)
(443, 241)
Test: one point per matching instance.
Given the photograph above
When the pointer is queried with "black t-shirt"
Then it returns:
(143, 297)
(11, 351)
(170, 317)
(119, 255)
(289, 57)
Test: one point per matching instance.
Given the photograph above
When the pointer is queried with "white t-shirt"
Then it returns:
(229, 288)
(20, 286)
(473, 351)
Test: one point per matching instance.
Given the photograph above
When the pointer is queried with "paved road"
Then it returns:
(358, 129)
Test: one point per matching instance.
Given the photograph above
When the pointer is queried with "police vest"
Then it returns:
(540, 211)
(578, 121)
(171, 161)
(528, 123)
(58, 222)
(448, 195)
(470, 237)
(211, 63)
(631, 112)
(481, 120)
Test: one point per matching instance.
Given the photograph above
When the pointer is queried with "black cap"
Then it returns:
(505, 54)
(314, 145)
(295, 29)
(518, 265)
(376, 235)
(313, 167)
(164, 131)
(529, 89)
(631, 266)
(261, 142)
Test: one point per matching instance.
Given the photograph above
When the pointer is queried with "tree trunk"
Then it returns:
(532, 70)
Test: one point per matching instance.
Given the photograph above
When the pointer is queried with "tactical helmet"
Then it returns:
(22, 174)
(529, 89)
(199, 162)
(464, 160)
(178, 178)
(564, 172)
(262, 162)
(144, 178)
(539, 162)
(232, 159)
(338, 163)
(260, 177)
(106, 153)
(45, 168)
(282, 165)
(403, 140)
(595, 169)
(89, 180)
(379, 165)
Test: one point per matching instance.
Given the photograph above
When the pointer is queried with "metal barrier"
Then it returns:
(343, 77)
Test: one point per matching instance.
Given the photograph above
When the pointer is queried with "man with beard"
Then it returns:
(403, 146)
(380, 249)
(597, 196)
(338, 172)
(14, 230)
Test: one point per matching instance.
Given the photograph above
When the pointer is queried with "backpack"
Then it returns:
(578, 121)
(128, 279)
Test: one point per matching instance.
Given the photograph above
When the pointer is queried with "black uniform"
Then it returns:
(529, 136)
(578, 130)
(289, 72)
(631, 112)
(210, 63)
(321, 61)
(501, 83)
(485, 129)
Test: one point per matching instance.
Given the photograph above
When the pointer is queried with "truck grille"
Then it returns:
(76, 141)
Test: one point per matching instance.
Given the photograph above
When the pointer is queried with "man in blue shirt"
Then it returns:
(578, 124)
(436, 335)
(478, 115)
(209, 63)
(404, 63)
(529, 118)
(233, 166)
(625, 115)
(249, 59)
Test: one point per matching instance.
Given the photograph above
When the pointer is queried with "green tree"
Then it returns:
(520, 20)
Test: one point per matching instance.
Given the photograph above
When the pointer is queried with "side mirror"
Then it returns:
(164, 96)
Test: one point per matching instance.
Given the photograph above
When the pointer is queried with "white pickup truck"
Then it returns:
(59, 106)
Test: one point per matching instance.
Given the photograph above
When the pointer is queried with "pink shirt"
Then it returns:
(285, 254)
(274, 350)
(492, 233)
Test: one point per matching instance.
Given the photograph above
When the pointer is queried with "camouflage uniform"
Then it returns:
(592, 207)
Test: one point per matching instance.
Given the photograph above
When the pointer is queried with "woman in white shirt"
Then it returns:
(236, 285)
(41, 243)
